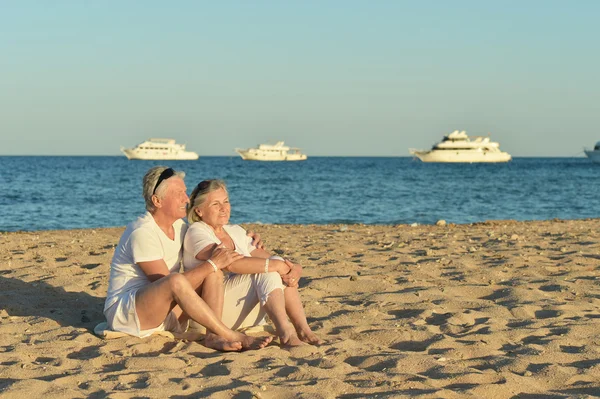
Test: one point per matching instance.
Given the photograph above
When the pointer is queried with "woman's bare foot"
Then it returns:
(310, 338)
(249, 342)
(213, 341)
(289, 340)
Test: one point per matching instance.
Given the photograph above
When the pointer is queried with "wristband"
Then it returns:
(267, 265)
(215, 268)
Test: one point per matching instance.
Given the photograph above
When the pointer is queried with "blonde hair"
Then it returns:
(199, 195)
(149, 183)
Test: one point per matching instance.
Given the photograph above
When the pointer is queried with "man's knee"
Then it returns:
(178, 282)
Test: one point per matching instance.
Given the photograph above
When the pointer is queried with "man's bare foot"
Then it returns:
(213, 341)
(290, 340)
(249, 342)
(310, 338)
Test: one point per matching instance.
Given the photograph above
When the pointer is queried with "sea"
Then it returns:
(69, 192)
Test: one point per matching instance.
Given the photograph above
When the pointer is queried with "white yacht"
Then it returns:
(458, 147)
(271, 152)
(159, 149)
(594, 154)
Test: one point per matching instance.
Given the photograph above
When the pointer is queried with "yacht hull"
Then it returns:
(594, 156)
(447, 156)
(158, 156)
(254, 156)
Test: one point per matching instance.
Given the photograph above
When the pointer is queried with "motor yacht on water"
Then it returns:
(271, 152)
(594, 155)
(458, 147)
(159, 149)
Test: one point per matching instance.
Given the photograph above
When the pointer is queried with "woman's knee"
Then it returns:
(272, 277)
(215, 277)
(267, 283)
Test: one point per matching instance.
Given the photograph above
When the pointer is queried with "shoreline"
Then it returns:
(257, 225)
(488, 309)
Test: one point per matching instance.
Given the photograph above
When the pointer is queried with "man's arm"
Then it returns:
(154, 269)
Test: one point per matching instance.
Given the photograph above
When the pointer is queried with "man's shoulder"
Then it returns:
(142, 220)
(144, 224)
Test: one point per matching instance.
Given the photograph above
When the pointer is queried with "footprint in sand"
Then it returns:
(547, 313)
(572, 349)
(372, 363)
(91, 266)
(405, 313)
(416, 346)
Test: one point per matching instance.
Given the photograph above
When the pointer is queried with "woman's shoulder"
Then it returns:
(235, 228)
(200, 229)
(237, 232)
(199, 226)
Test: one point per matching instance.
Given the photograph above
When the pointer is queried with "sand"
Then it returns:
(493, 310)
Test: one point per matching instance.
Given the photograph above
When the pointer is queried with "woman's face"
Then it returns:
(216, 210)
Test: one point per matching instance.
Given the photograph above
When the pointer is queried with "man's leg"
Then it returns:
(155, 301)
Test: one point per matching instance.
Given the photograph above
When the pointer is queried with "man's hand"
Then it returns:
(223, 257)
(256, 242)
(292, 279)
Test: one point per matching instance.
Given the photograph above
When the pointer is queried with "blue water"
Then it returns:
(41, 193)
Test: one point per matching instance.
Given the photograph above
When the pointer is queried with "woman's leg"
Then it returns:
(156, 300)
(270, 291)
(295, 311)
(241, 307)
(250, 297)
(275, 307)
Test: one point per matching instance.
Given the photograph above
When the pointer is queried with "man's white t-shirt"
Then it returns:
(200, 235)
(142, 241)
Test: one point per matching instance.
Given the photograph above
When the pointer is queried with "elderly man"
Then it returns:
(147, 292)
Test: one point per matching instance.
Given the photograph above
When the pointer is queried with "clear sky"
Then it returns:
(332, 77)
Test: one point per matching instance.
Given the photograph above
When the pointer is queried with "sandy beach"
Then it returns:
(499, 309)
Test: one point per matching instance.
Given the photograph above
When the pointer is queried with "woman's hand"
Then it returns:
(223, 257)
(256, 242)
(292, 278)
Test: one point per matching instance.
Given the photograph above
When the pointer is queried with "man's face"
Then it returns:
(175, 202)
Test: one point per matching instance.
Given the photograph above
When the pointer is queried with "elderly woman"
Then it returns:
(258, 284)
(146, 291)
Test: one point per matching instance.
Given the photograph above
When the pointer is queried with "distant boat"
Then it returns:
(458, 147)
(271, 152)
(159, 149)
(594, 154)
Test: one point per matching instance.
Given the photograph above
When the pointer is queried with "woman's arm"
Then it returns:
(252, 265)
(291, 275)
(292, 279)
(237, 263)
(260, 253)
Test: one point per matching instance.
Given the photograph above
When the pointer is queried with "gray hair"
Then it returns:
(199, 195)
(149, 182)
